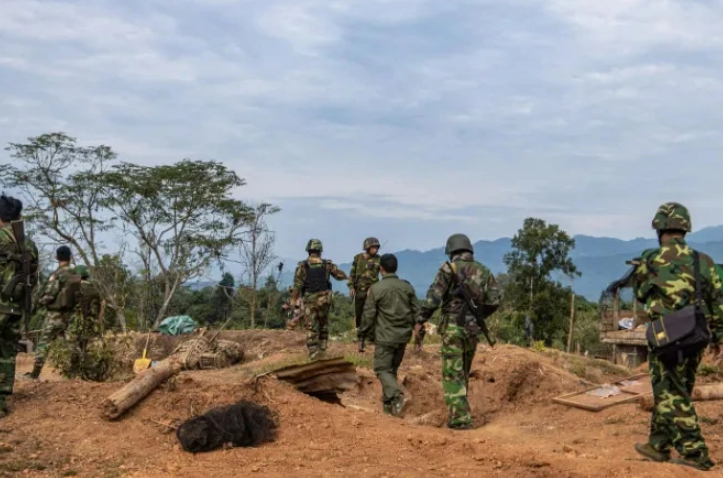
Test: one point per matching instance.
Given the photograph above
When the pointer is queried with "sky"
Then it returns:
(408, 120)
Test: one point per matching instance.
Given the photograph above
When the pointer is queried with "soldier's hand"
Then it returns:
(352, 292)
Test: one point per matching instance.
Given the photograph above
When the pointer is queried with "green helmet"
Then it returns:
(82, 271)
(458, 242)
(314, 245)
(370, 242)
(672, 216)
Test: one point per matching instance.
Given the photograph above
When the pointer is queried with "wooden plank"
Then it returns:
(595, 404)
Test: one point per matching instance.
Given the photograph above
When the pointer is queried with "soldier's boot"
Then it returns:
(651, 453)
(461, 426)
(388, 408)
(398, 405)
(706, 465)
(323, 344)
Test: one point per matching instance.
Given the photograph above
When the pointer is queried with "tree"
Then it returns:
(539, 251)
(223, 298)
(64, 200)
(184, 214)
(257, 251)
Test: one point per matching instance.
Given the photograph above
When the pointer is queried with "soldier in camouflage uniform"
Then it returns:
(459, 342)
(87, 322)
(11, 313)
(364, 273)
(59, 305)
(665, 282)
(312, 284)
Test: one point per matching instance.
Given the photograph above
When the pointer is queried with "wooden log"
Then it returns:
(137, 389)
(701, 393)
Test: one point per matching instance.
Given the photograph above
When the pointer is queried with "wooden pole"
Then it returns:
(572, 322)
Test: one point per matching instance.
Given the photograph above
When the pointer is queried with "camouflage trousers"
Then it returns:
(316, 311)
(10, 334)
(675, 423)
(387, 359)
(458, 350)
(55, 325)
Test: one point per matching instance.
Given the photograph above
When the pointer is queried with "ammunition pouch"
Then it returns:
(67, 295)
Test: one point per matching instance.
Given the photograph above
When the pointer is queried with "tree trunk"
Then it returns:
(253, 307)
(137, 389)
(120, 315)
(572, 323)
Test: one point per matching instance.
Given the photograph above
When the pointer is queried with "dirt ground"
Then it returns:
(55, 429)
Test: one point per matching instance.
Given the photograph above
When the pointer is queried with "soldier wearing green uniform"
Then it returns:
(364, 273)
(12, 294)
(664, 281)
(459, 338)
(59, 300)
(87, 324)
(390, 313)
(312, 283)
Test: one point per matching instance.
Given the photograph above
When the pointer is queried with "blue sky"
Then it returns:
(404, 119)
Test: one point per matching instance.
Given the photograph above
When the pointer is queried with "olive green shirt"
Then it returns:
(390, 310)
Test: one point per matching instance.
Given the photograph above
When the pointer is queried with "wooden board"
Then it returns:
(628, 393)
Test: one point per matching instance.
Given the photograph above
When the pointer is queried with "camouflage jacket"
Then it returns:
(664, 282)
(390, 311)
(300, 275)
(8, 268)
(55, 281)
(364, 272)
(439, 292)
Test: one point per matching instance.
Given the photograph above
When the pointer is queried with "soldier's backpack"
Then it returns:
(66, 299)
(88, 299)
(12, 283)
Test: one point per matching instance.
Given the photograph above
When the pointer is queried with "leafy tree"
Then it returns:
(223, 298)
(184, 214)
(65, 201)
(539, 251)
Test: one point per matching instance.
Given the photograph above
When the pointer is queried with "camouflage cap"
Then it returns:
(370, 242)
(314, 245)
(82, 271)
(672, 216)
(458, 242)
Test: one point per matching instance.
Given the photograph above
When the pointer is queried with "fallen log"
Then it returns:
(701, 393)
(137, 389)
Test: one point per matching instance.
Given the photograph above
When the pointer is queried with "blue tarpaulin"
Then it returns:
(178, 325)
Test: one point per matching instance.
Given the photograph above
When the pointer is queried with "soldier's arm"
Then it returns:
(492, 292)
(435, 294)
(51, 291)
(336, 273)
(641, 284)
(715, 302)
(299, 279)
(369, 318)
(413, 304)
(352, 273)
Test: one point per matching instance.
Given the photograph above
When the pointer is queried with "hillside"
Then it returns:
(600, 259)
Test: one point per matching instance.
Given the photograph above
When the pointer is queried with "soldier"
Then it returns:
(390, 312)
(12, 292)
(88, 322)
(665, 281)
(60, 301)
(459, 339)
(364, 273)
(312, 284)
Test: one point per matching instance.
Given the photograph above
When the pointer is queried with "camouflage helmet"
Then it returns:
(458, 242)
(672, 216)
(314, 245)
(370, 242)
(82, 271)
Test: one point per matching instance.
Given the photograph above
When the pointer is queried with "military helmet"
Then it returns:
(314, 245)
(370, 242)
(82, 271)
(673, 216)
(458, 242)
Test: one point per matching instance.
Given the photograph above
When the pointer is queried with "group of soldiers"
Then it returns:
(673, 281)
(71, 300)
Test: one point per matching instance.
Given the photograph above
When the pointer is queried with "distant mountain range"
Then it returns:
(601, 260)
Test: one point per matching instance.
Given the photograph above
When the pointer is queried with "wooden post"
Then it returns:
(572, 322)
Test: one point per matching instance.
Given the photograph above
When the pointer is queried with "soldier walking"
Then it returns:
(364, 273)
(390, 313)
(59, 298)
(665, 280)
(87, 324)
(459, 337)
(18, 255)
(312, 283)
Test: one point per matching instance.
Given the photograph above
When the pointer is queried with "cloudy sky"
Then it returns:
(404, 119)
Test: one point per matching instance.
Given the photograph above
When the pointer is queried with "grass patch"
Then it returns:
(269, 367)
(706, 369)
(709, 421)
(365, 360)
(16, 466)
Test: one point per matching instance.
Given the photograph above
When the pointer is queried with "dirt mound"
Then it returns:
(55, 429)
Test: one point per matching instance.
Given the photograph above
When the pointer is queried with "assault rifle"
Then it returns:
(480, 313)
(27, 279)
